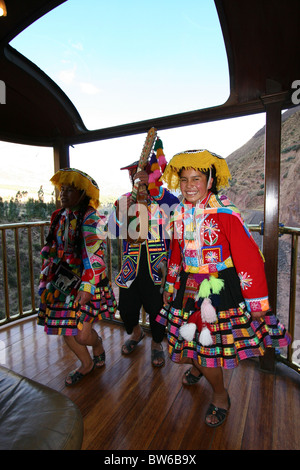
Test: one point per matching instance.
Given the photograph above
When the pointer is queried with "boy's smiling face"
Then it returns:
(193, 185)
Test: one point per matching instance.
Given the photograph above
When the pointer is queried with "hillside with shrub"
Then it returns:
(247, 170)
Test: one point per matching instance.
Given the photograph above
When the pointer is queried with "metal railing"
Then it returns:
(13, 270)
(20, 259)
(294, 234)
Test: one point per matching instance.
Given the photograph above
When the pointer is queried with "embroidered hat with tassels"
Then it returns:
(155, 167)
(80, 180)
(201, 160)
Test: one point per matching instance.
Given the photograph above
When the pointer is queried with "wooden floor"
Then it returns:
(131, 405)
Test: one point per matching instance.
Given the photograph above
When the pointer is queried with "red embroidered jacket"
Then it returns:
(212, 236)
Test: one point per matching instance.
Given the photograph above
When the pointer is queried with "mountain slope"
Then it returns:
(247, 169)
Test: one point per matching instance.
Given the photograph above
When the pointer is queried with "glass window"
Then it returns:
(126, 61)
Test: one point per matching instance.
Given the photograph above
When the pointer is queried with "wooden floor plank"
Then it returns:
(183, 425)
(286, 410)
(259, 423)
(129, 404)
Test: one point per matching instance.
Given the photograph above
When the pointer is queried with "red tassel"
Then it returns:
(188, 332)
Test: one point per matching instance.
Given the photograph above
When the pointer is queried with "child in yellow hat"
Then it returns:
(216, 296)
(74, 288)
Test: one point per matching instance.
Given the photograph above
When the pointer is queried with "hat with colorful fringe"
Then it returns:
(201, 160)
(79, 180)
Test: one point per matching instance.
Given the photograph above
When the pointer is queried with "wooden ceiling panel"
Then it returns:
(262, 41)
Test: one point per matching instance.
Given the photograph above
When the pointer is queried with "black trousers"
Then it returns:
(142, 292)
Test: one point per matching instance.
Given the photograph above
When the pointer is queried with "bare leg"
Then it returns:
(220, 394)
(81, 352)
(78, 344)
(88, 337)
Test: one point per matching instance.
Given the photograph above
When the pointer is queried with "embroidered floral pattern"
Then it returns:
(245, 280)
(212, 257)
(258, 305)
(211, 232)
(173, 270)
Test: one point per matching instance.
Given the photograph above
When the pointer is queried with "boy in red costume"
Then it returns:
(216, 296)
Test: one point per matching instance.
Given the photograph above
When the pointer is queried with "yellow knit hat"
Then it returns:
(201, 160)
(79, 180)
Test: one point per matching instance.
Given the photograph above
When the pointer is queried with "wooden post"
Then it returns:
(273, 104)
(61, 160)
(61, 156)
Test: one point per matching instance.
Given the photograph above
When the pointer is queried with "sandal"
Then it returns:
(219, 413)
(191, 379)
(157, 354)
(130, 344)
(76, 376)
(99, 360)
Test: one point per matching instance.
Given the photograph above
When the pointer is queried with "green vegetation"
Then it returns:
(15, 210)
(294, 147)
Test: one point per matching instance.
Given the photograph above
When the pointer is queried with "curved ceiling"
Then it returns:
(262, 43)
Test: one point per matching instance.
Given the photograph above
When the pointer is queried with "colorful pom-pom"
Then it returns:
(216, 284)
(161, 160)
(156, 174)
(155, 166)
(204, 289)
(158, 164)
(154, 191)
(56, 294)
(158, 144)
(45, 252)
(188, 331)
(151, 178)
(205, 337)
(208, 312)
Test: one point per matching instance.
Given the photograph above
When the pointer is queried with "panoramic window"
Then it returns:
(122, 62)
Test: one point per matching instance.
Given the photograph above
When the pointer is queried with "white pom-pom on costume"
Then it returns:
(187, 331)
(208, 312)
(205, 337)
(46, 270)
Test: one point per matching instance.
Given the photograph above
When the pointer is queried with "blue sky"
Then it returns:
(127, 61)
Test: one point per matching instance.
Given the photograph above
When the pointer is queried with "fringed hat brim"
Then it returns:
(200, 160)
(79, 180)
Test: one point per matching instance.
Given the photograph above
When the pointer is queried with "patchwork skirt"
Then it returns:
(65, 319)
(235, 335)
